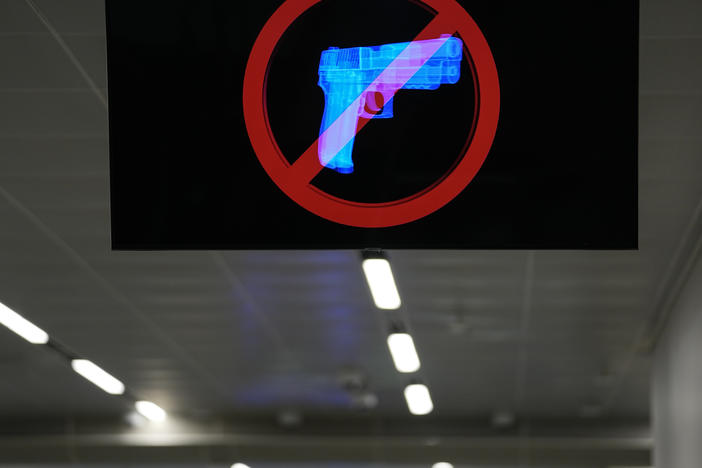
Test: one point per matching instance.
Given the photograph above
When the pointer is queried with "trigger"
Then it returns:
(374, 103)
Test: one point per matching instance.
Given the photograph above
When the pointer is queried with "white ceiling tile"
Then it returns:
(47, 158)
(75, 16)
(92, 55)
(679, 18)
(36, 62)
(670, 117)
(51, 114)
(671, 65)
(17, 17)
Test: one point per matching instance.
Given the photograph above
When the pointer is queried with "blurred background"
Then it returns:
(281, 359)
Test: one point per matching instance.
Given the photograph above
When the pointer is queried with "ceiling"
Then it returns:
(549, 335)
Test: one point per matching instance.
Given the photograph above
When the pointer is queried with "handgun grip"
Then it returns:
(336, 141)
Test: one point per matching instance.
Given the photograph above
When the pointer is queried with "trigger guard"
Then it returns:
(362, 109)
(369, 111)
(385, 112)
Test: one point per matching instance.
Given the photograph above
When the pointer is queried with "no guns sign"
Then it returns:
(395, 124)
(295, 179)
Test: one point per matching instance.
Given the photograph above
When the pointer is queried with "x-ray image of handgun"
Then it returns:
(362, 82)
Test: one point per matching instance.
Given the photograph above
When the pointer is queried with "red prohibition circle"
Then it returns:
(295, 180)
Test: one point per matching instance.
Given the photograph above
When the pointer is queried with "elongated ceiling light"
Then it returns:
(99, 377)
(403, 352)
(151, 411)
(418, 399)
(381, 283)
(22, 326)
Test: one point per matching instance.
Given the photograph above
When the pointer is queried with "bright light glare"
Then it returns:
(442, 465)
(403, 352)
(98, 376)
(22, 326)
(151, 411)
(239, 465)
(381, 283)
(418, 399)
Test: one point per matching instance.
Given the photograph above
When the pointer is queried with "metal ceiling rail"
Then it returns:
(328, 440)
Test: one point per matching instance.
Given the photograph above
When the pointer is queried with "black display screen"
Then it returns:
(526, 140)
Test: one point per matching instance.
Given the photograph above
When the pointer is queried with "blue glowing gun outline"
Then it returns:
(369, 77)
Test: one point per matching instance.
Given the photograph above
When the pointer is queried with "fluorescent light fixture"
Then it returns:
(381, 283)
(403, 352)
(418, 399)
(442, 465)
(98, 376)
(151, 411)
(135, 419)
(239, 465)
(22, 326)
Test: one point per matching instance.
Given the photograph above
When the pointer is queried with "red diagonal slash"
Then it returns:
(307, 166)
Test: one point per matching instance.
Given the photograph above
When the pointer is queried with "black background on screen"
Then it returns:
(561, 172)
